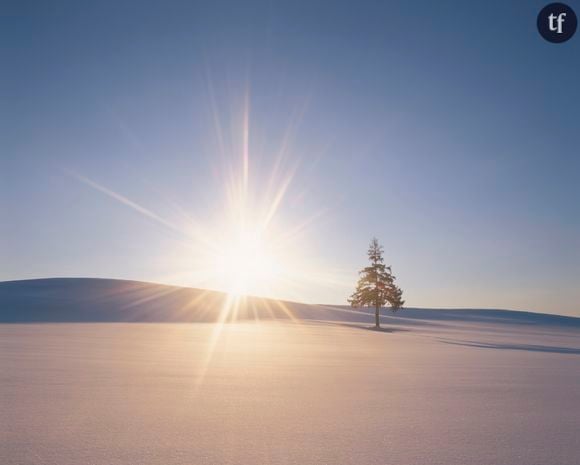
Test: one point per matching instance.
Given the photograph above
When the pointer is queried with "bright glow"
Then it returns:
(246, 263)
(245, 247)
(243, 244)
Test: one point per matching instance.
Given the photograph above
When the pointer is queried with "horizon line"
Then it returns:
(156, 283)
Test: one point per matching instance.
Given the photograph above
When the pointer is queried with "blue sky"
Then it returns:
(449, 130)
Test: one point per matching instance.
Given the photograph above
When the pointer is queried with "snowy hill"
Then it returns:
(309, 384)
(109, 300)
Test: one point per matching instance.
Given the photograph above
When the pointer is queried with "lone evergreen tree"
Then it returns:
(376, 285)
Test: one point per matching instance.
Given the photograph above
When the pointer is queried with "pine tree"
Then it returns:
(376, 285)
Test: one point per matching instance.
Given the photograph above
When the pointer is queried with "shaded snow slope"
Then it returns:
(108, 300)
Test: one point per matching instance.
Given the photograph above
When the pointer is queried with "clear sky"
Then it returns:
(449, 130)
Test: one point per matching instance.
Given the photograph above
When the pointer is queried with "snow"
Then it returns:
(470, 387)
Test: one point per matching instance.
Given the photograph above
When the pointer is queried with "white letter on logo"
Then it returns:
(551, 19)
(560, 21)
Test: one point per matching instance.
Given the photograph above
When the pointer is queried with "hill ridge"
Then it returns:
(85, 299)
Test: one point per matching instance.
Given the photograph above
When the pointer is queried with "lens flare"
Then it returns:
(247, 247)
(247, 263)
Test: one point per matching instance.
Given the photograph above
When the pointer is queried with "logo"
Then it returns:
(557, 22)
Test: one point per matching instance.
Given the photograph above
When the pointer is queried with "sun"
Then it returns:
(243, 242)
(246, 263)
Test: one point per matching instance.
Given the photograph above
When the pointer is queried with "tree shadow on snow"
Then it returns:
(505, 346)
(382, 329)
(388, 329)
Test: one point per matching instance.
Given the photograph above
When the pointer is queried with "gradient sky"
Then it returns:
(449, 130)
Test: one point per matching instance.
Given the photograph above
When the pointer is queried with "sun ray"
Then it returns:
(246, 147)
(246, 247)
(124, 200)
(215, 114)
(223, 315)
(286, 310)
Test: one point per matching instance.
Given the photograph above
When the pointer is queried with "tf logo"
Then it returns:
(557, 22)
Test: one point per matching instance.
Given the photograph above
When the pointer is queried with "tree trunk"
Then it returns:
(377, 322)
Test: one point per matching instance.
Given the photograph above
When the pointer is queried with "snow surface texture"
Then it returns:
(440, 387)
